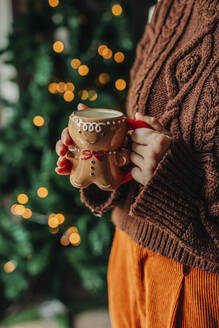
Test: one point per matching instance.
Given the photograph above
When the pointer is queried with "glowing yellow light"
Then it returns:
(69, 96)
(22, 198)
(119, 57)
(9, 267)
(61, 87)
(92, 95)
(120, 84)
(52, 87)
(27, 213)
(38, 121)
(117, 10)
(74, 238)
(42, 192)
(69, 86)
(53, 3)
(58, 46)
(103, 78)
(60, 218)
(71, 230)
(19, 209)
(83, 70)
(75, 63)
(64, 240)
(84, 94)
(53, 222)
(107, 53)
(13, 207)
(54, 230)
(101, 48)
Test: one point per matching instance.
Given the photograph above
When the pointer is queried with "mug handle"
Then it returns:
(133, 125)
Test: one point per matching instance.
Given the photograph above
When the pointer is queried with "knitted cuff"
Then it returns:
(170, 198)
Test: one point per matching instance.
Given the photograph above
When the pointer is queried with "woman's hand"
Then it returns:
(149, 147)
(64, 166)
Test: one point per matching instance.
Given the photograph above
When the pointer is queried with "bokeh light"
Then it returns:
(84, 94)
(27, 213)
(58, 46)
(61, 87)
(101, 48)
(19, 209)
(69, 96)
(38, 121)
(64, 240)
(75, 238)
(75, 63)
(53, 3)
(104, 78)
(70, 86)
(9, 267)
(42, 192)
(92, 94)
(119, 57)
(13, 207)
(53, 221)
(83, 70)
(71, 230)
(52, 87)
(60, 217)
(120, 84)
(117, 10)
(107, 53)
(22, 198)
(54, 230)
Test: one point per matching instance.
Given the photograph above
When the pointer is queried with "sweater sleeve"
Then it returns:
(182, 197)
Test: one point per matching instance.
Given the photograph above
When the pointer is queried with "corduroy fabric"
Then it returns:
(148, 290)
(175, 78)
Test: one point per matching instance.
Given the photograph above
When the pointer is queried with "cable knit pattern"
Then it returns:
(177, 65)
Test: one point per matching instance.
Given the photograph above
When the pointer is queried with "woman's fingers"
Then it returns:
(82, 107)
(66, 138)
(61, 149)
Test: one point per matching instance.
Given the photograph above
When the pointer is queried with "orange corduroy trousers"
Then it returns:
(147, 290)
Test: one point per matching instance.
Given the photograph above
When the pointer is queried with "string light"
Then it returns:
(103, 78)
(101, 48)
(92, 95)
(83, 70)
(69, 96)
(64, 240)
(53, 221)
(9, 267)
(52, 87)
(71, 230)
(75, 238)
(60, 217)
(42, 192)
(61, 87)
(27, 213)
(120, 84)
(19, 209)
(75, 63)
(70, 86)
(13, 207)
(107, 53)
(58, 46)
(22, 198)
(84, 94)
(53, 3)
(117, 10)
(54, 230)
(119, 57)
(38, 121)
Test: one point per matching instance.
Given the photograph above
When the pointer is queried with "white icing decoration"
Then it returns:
(88, 126)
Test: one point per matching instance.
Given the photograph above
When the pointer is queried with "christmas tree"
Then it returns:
(64, 52)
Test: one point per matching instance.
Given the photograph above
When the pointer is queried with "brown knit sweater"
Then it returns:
(175, 78)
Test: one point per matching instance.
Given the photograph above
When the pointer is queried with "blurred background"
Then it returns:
(53, 251)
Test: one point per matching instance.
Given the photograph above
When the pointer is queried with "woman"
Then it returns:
(163, 268)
